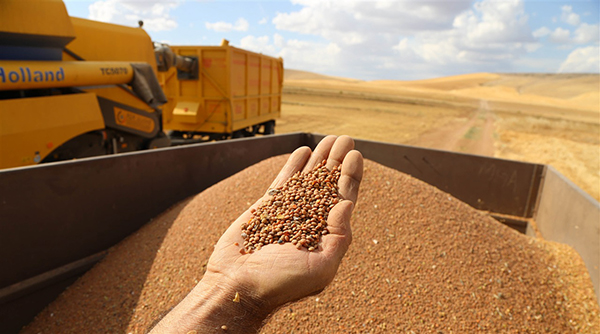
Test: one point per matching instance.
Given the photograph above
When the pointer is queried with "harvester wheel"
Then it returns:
(85, 145)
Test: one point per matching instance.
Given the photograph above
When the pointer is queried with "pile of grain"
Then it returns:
(420, 261)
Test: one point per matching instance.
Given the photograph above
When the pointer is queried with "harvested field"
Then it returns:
(541, 118)
(421, 260)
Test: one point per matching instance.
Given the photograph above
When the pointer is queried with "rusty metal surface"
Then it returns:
(568, 215)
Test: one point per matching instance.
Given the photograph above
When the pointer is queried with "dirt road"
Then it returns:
(475, 136)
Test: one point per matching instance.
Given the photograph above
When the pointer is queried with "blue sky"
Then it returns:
(373, 40)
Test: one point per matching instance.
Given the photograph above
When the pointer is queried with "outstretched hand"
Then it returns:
(278, 274)
(239, 290)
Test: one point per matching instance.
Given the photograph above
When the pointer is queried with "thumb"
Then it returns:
(340, 232)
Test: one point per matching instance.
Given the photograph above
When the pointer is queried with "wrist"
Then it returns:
(232, 293)
(215, 305)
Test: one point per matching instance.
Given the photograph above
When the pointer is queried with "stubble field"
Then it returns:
(550, 119)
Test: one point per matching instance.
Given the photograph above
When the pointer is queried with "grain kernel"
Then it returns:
(296, 211)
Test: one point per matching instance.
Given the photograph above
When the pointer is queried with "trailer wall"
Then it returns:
(568, 215)
(58, 219)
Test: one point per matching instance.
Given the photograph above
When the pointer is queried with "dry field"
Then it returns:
(550, 119)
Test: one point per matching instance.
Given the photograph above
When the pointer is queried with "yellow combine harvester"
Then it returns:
(72, 88)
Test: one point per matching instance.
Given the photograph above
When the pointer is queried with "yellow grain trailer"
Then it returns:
(232, 92)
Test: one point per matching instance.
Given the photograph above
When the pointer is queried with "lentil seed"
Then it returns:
(306, 197)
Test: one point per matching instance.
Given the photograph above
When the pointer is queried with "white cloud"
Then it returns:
(103, 10)
(333, 19)
(490, 33)
(263, 21)
(495, 22)
(313, 56)
(154, 13)
(547, 65)
(402, 45)
(258, 44)
(531, 47)
(240, 25)
(586, 33)
(568, 16)
(582, 60)
(412, 38)
(560, 35)
(278, 40)
(159, 23)
(541, 32)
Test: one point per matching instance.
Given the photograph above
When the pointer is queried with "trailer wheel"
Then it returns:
(255, 129)
(269, 128)
(238, 134)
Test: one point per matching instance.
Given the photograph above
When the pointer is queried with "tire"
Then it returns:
(254, 131)
(238, 134)
(269, 128)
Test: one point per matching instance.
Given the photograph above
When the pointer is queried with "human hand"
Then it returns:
(238, 291)
(278, 274)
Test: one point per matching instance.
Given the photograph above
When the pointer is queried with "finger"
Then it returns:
(352, 173)
(340, 148)
(321, 152)
(295, 163)
(338, 240)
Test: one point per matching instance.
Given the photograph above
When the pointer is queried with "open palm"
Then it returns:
(278, 274)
